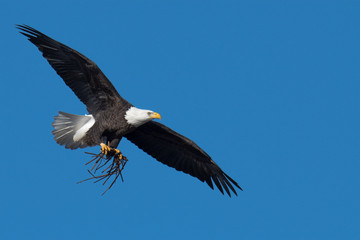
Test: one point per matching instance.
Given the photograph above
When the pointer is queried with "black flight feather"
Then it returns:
(165, 145)
(81, 74)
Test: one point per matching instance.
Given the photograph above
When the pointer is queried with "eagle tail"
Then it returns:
(70, 129)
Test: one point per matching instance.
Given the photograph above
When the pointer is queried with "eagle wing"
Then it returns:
(81, 74)
(179, 152)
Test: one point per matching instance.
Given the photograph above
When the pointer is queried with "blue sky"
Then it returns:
(270, 89)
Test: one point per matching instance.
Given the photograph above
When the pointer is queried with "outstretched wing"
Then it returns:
(81, 74)
(179, 152)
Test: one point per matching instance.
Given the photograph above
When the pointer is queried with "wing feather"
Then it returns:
(179, 152)
(81, 74)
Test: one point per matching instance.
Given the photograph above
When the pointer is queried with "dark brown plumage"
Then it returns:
(108, 121)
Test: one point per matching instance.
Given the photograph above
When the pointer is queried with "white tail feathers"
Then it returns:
(70, 129)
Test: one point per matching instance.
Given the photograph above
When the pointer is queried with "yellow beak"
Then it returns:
(155, 115)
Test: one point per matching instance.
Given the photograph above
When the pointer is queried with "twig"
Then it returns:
(115, 168)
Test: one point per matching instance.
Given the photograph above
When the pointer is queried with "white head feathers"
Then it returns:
(137, 117)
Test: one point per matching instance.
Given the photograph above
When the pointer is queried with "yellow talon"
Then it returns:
(104, 148)
(117, 152)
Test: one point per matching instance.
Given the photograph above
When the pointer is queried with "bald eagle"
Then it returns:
(111, 117)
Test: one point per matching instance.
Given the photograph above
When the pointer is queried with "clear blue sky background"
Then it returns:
(270, 89)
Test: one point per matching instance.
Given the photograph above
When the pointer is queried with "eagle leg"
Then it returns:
(111, 152)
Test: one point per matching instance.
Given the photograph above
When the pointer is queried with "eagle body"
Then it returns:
(112, 118)
(109, 126)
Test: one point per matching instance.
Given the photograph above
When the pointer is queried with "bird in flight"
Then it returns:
(111, 118)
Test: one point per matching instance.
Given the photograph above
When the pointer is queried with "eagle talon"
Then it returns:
(118, 154)
(105, 149)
